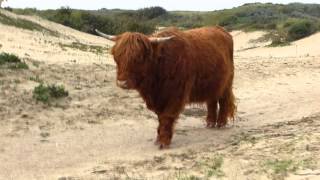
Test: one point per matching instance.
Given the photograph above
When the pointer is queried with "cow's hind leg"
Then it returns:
(227, 108)
(212, 107)
(165, 131)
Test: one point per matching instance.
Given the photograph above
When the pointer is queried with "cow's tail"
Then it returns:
(230, 98)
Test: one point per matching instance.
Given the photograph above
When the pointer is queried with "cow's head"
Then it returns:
(133, 54)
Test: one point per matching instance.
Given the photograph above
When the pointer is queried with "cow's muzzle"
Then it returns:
(122, 84)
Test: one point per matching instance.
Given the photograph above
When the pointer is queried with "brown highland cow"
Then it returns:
(173, 68)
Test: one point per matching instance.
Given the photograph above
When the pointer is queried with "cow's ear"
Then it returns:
(160, 39)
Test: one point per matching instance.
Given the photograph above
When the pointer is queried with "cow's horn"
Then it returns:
(160, 39)
(110, 37)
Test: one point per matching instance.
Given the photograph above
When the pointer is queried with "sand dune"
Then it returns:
(48, 48)
(246, 46)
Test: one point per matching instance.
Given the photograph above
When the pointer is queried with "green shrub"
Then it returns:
(151, 12)
(140, 27)
(41, 93)
(8, 9)
(12, 61)
(57, 91)
(63, 16)
(47, 93)
(277, 37)
(300, 30)
(228, 21)
(124, 21)
(8, 58)
(272, 26)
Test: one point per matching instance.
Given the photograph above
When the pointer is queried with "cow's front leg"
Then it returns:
(165, 131)
(212, 106)
(157, 142)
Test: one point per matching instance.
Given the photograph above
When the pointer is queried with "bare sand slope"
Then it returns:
(248, 40)
(103, 132)
(251, 45)
(65, 47)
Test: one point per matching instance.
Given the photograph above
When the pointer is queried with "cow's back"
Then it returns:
(195, 65)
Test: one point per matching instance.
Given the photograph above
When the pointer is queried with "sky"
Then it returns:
(195, 5)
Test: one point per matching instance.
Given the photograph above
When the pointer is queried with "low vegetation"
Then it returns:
(285, 23)
(48, 93)
(84, 47)
(12, 61)
(279, 169)
(214, 167)
(36, 79)
(180, 176)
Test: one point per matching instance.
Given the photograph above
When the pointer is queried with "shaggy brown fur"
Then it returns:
(196, 66)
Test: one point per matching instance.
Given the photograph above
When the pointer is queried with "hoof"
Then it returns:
(221, 125)
(210, 125)
(157, 142)
(163, 146)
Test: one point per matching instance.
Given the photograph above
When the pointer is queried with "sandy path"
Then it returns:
(128, 136)
(286, 89)
(101, 130)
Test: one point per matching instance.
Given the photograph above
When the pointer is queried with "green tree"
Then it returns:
(300, 30)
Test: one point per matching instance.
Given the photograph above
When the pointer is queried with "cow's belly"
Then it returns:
(207, 88)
